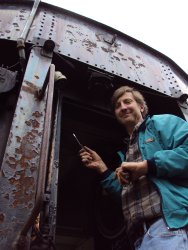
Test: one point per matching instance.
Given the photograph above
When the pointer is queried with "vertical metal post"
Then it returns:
(20, 166)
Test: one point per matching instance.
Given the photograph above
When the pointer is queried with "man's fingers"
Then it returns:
(123, 177)
(86, 158)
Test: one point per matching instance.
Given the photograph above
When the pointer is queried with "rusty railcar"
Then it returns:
(58, 71)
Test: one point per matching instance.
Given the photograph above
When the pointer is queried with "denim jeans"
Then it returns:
(159, 237)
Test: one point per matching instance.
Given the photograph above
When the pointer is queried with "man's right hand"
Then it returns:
(92, 160)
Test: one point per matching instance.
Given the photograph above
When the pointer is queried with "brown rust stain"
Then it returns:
(32, 123)
(37, 114)
(30, 88)
(23, 189)
(2, 218)
(26, 149)
(4, 232)
(18, 139)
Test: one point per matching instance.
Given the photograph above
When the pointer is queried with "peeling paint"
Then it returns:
(71, 26)
(99, 37)
(26, 149)
(117, 58)
(132, 60)
(141, 65)
(89, 45)
(36, 76)
(121, 54)
(137, 65)
(107, 50)
(70, 32)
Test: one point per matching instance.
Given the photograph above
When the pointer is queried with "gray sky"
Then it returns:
(161, 24)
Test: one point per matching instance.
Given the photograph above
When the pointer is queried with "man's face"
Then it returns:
(127, 111)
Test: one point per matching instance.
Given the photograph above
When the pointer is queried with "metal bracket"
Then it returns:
(48, 48)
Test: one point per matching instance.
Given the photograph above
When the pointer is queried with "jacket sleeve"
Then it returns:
(111, 185)
(172, 160)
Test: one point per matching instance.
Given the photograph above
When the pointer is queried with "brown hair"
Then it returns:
(136, 94)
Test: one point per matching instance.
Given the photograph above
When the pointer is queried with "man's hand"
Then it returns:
(92, 160)
(131, 171)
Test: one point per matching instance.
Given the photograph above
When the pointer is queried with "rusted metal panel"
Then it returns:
(13, 20)
(96, 45)
(21, 159)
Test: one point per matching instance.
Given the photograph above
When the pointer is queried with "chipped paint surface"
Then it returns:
(21, 160)
(98, 46)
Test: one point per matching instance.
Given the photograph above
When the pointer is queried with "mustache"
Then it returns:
(125, 112)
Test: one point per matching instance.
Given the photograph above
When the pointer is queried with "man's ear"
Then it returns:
(141, 109)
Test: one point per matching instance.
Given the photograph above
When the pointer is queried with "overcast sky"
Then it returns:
(161, 24)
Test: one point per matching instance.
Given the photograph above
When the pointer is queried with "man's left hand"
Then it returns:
(135, 169)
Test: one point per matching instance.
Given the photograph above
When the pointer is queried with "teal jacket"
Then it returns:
(163, 141)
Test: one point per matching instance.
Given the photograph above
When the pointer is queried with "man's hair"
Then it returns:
(136, 94)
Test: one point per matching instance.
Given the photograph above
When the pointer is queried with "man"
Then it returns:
(153, 175)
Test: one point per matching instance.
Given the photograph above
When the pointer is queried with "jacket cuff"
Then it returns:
(152, 170)
(105, 174)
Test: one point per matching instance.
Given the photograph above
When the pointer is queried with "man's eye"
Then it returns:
(127, 101)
